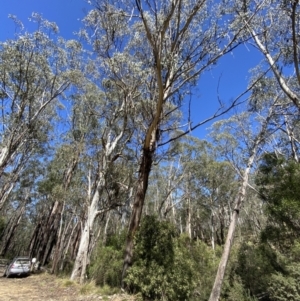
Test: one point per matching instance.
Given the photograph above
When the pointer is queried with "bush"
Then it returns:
(285, 287)
(107, 262)
(167, 266)
(234, 290)
(256, 263)
(153, 260)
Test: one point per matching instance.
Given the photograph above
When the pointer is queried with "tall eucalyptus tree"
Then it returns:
(81, 126)
(109, 105)
(206, 191)
(33, 74)
(242, 139)
(168, 46)
(182, 40)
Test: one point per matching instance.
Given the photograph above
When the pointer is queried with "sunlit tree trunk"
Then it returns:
(93, 203)
(81, 261)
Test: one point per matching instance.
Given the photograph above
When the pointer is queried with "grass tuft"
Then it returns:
(88, 288)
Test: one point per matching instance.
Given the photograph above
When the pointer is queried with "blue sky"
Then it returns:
(233, 68)
(66, 13)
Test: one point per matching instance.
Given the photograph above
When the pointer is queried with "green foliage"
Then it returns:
(158, 237)
(236, 291)
(154, 260)
(258, 271)
(234, 288)
(256, 263)
(278, 181)
(107, 262)
(108, 268)
(274, 173)
(204, 262)
(285, 286)
(169, 267)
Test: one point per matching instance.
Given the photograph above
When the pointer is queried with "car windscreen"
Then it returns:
(22, 261)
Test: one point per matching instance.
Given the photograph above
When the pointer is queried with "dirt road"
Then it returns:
(45, 287)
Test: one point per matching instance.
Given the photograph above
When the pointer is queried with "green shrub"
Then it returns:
(234, 290)
(285, 287)
(153, 260)
(256, 262)
(167, 266)
(107, 262)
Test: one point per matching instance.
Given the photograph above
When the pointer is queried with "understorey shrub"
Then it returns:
(107, 262)
(168, 266)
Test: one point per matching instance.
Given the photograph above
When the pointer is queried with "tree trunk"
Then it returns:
(188, 227)
(49, 233)
(216, 290)
(62, 233)
(65, 248)
(79, 269)
(145, 168)
(5, 192)
(212, 230)
(10, 182)
(81, 260)
(291, 137)
(11, 229)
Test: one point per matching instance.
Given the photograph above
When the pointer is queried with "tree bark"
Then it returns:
(145, 168)
(81, 260)
(49, 233)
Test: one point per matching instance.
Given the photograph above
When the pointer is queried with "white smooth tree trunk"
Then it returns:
(82, 257)
(81, 261)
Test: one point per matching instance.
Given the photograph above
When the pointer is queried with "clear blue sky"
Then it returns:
(68, 14)
(227, 80)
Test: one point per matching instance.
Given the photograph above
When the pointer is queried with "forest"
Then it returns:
(101, 177)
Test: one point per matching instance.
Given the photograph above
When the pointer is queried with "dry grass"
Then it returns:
(47, 287)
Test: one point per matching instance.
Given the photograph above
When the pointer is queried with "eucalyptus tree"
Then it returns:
(182, 40)
(104, 186)
(274, 28)
(58, 194)
(66, 152)
(109, 106)
(212, 185)
(206, 191)
(242, 139)
(165, 181)
(17, 210)
(12, 225)
(79, 133)
(33, 74)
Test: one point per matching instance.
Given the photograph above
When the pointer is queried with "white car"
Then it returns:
(20, 266)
